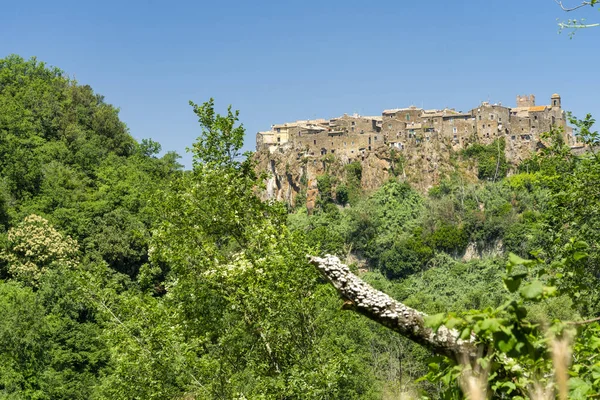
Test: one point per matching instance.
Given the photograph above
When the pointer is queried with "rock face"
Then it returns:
(291, 171)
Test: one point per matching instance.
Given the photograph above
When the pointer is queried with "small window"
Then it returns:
(278, 140)
(389, 126)
(375, 138)
(352, 129)
(480, 117)
(408, 117)
(454, 130)
(535, 117)
(492, 117)
(278, 130)
(315, 142)
(512, 137)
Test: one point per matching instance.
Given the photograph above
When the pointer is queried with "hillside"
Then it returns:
(124, 277)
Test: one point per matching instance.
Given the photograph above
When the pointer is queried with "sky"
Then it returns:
(281, 61)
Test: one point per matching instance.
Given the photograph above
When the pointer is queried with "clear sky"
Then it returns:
(279, 61)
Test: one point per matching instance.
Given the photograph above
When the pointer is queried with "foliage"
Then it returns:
(221, 140)
(142, 281)
(491, 160)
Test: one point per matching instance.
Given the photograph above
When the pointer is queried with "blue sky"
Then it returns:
(279, 61)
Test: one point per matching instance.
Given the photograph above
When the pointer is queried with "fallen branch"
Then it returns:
(381, 308)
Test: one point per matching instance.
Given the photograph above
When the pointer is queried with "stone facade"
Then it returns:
(424, 139)
(354, 135)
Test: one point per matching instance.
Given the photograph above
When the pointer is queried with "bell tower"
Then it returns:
(555, 100)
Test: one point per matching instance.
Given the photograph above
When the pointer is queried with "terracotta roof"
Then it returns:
(537, 108)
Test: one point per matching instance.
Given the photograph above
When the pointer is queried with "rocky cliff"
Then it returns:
(292, 172)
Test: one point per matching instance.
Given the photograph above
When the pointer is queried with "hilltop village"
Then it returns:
(424, 138)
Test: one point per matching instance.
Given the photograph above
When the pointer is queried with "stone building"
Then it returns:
(352, 136)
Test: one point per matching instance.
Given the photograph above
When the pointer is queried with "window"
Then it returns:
(408, 117)
(352, 129)
(454, 130)
(278, 139)
(353, 123)
(499, 119)
(480, 117)
(512, 137)
(389, 126)
(492, 117)
(535, 118)
(315, 142)
(375, 138)
(278, 130)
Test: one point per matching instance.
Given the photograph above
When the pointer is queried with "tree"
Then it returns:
(221, 140)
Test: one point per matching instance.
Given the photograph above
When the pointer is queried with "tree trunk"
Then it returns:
(381, 308)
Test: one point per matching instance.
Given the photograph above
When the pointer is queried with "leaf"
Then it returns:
(578, 388)
(504, 342)
(514, 260)
(532, 290)
(491, 325)
(465, 334)
(434, 321)
(512, 284)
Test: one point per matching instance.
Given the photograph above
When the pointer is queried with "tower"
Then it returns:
(555, 100)
(526, 101)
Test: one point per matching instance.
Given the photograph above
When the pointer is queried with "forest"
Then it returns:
(124, 276)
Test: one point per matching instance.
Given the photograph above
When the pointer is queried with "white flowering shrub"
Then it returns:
(34, 246)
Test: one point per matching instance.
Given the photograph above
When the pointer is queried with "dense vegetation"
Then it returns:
(124, 277)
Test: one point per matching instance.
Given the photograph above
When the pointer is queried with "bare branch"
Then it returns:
(381, 308)
(588, 321)
(569, 9)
